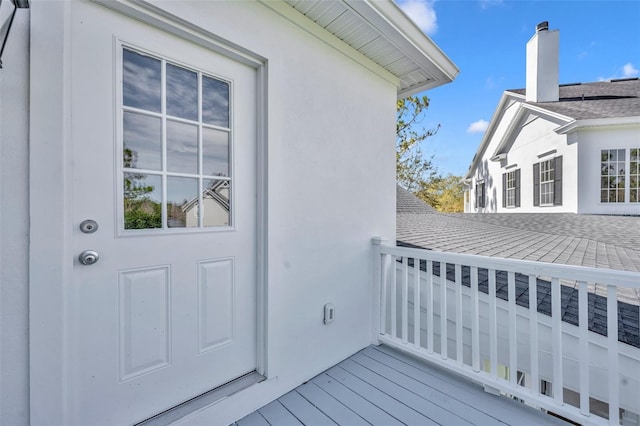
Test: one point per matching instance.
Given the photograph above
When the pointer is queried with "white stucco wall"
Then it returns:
(14, 222)
(592, 142)
(331, 188)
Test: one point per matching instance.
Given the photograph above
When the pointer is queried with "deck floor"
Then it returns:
(382, 386)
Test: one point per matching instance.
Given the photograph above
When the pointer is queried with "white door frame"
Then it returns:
(50, 254)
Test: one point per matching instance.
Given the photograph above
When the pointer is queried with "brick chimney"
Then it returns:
(543, 64)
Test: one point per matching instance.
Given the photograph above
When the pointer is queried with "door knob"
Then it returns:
(88, 257)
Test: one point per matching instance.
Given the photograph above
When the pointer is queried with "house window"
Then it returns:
(480, 195)
(176, 166)
(612, 175)
(511, 189)
(547, 182)
(634, 176)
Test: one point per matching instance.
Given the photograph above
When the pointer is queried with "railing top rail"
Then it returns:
(578, 273)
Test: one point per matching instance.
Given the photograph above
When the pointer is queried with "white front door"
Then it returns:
(163, 142)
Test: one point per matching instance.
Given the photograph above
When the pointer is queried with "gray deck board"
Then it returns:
(382, 386)
(329, 405)
(304, 411)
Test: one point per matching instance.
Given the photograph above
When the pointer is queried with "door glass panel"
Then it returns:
(141, 82)
(182, 141)
(215, 102)
(142, 201)
(216, 202)
(182, 147)
(142, 136)
(182, 202)
(182, 92)
(215, 155)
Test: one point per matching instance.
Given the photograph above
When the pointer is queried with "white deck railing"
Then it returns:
(530, 354)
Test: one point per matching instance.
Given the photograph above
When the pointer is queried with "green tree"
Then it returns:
(140, 211)
(447, 192)
(414, 171)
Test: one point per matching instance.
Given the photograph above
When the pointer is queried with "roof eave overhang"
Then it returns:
(506, 98)
(574, 125)
(418, 63)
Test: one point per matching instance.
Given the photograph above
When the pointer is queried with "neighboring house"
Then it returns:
(215, 206)
(598, 241)
(559, 148)
(116, 112)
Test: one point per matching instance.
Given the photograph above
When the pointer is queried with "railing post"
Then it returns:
(377, 290)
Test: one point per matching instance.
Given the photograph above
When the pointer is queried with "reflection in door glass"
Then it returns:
(142, 137)
(141, 81)
(176, 145)
(182, 147)
(182, 202)
(182, 92)
(215, 203)
(215, 155)
(215, 102)
(142, 201)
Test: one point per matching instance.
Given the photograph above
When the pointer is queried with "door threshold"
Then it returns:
(201, 401)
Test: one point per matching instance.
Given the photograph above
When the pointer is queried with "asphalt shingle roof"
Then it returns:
(611, 242)
(602, 99)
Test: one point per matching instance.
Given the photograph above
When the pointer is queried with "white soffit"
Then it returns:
(380, 31)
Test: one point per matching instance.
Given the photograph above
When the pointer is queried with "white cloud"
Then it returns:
(422, 13)
(485, 4)
(629, 70)
(478, 126)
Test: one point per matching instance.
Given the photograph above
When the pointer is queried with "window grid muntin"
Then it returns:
(547, 176)
(511, 189)
(164, 116)
(612, 175)
(634, 175)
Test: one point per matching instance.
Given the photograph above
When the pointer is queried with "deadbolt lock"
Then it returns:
(89, 226)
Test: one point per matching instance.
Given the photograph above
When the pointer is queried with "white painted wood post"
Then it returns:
(378, 274)
(583, 324)
(405, 299)
(475, 321)
(533, 333)
(493, 324)
(556, 319)
(394, 296)
(416, 302)
(430, 316)
(612, 344)
(513, 337)
(459, 336)
(443, 310)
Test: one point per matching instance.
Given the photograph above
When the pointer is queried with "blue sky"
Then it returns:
(486, 39)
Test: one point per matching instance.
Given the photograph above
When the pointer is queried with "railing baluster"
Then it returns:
(383, 293)
(533, 333)
(394, 301)
(513, 337)
(443, 310)
(493, 324)
(556, 319)
(459, 337)
(583, 323)
(612, 343)
(475, 321)
(416, 302)
(430, 315)
(405, 299)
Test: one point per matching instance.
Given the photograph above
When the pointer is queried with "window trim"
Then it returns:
(480, 195)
